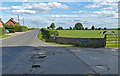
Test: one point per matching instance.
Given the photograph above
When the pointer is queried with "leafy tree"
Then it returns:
(78, 26)
(70, 28)
(105, 28)
(52, 26)
(86, 28)
(48, 27)
(118, 28)
(59, 28)
(93, 28)
(99, 28)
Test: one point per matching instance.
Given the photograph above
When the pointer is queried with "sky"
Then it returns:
(41, 13)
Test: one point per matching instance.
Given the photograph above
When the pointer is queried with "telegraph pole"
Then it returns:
(23, 21)
(18, 18)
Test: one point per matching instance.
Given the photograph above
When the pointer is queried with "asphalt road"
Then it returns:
(26, 54)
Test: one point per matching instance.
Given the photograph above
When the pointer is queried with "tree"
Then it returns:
(86, 28)
(52, 26)
(93, 28)
(70, 28)
(105, 28)
(48, 27)
(78, 26)
(99, 28)
(59, 28)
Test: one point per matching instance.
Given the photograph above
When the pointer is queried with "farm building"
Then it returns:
(1, 23)
(11, 22)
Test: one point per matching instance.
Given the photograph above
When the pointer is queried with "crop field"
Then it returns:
(111, 42)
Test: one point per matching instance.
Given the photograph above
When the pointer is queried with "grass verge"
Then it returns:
(4, 36)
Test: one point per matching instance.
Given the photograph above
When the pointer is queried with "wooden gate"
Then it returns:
(112, 40)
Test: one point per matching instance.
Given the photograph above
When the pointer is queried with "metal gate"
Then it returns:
(112, 40)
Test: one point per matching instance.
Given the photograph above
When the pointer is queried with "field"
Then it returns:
(92, 34)
(83, 33)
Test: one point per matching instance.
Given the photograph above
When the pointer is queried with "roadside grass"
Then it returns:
(4, 36)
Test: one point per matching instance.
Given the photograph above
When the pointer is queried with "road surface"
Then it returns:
(26, 54)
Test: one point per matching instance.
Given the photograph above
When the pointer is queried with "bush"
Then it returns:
(99, 28)
(23, 28)
(86, 28)
(17, 28)
(20, 28)
(46, 33)
(54, 33)
(33, 29)
(11, 30)
(2, 31)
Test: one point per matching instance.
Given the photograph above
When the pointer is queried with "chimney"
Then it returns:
(11, 18)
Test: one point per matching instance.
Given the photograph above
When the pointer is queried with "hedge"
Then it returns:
(2, 31)
(23, 28)
(11, 30)
(46, 33)
(17, 27)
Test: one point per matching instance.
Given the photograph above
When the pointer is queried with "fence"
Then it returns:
(112, 40)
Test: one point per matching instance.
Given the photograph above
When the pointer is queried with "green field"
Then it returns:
(91, 34)
(83, 33)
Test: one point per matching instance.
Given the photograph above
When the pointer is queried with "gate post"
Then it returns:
(105, 39)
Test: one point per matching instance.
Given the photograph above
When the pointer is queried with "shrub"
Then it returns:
(33, 29)
(46, 33)
(54, 33)
(17, 28)
(99, 28)
(59, 28)
(86, 28)
(23, 28)
(11, 30)
(2, 31)
(105, 28)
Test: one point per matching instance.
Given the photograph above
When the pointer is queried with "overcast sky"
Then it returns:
(41, 13)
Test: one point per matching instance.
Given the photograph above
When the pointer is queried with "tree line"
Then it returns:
(78, 26)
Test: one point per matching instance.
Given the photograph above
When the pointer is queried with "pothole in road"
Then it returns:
(101, 68)
(36, 66)
(39, 54)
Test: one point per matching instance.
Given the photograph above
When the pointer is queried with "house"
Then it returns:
(1, 23)
(11, 22)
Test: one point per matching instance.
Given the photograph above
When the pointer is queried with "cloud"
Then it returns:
(107, 8)
(36, 7)
(104, 0)
(4, 8)
(102, 3)
(107, 13)
(24, 11)
(79, 11)
(92, 6)
(59, 16)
